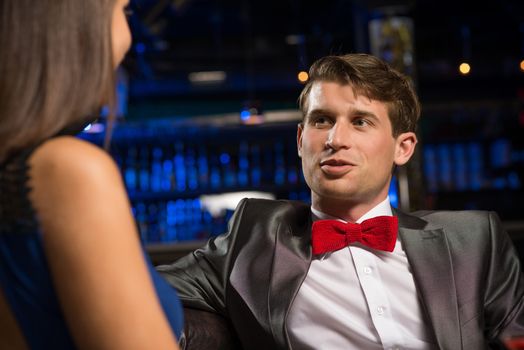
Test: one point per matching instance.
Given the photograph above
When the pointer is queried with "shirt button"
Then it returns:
(367, 270)
(380, 310)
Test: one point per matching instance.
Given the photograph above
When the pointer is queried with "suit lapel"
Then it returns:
(290, 265)
(429, 258)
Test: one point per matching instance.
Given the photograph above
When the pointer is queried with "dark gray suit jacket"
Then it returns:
(465, 267)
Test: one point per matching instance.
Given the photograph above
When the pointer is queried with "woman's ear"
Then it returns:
(405, 147)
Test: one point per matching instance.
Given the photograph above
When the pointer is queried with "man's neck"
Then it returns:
(345, 210)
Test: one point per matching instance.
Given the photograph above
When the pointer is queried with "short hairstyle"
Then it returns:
(56, 67)
(371, 77)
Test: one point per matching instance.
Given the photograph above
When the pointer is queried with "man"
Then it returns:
(290, 275)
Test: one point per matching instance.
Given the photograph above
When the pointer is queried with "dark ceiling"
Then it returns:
(261, 45)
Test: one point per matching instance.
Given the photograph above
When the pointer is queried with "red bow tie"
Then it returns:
(378, 233)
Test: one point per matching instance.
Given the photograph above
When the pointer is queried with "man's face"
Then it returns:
(347, 147)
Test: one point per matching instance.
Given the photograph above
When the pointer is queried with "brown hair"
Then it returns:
(56, 67)
(373, 78)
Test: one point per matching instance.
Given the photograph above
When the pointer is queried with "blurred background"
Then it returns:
(208, 105)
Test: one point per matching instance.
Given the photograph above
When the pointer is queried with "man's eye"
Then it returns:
(360, 122)
(321, 121)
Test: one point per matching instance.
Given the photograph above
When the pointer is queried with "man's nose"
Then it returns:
(339, 136)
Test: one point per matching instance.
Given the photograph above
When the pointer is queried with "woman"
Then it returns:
(72, 271)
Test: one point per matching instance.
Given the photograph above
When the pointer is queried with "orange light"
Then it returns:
(522, 65)
(303, 76)
(464, 68)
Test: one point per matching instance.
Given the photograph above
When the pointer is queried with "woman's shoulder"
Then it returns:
(65, 158)
(66, 168)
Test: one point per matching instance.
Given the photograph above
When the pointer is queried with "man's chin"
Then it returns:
(338, 194)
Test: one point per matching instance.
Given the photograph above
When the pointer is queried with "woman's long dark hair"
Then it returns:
(56, 67)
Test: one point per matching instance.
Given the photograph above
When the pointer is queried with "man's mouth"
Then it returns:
(335, 166)
(335, 162)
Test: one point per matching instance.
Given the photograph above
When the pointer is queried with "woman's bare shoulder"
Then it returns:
(68, 156)
(66, 169)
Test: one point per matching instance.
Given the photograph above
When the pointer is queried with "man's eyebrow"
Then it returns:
(352, 113)
(362, 113)
(319, 111)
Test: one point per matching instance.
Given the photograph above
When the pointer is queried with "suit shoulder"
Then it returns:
(295, 214)
(275, 207)
(462, 220)
(451, 214)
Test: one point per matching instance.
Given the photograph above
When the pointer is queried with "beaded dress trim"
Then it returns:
(17, 214)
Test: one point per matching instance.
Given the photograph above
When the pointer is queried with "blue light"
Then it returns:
(513, 180)
(94, 128)
(245, 115)
(130, 178)
(215, 178)
(104, 111)
(292, 176)
(140, 48)
(393, 192)
(171, 213)
(225, 158)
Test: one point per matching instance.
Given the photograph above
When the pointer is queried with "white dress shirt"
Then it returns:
(359, 298)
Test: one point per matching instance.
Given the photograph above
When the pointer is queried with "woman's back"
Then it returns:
(24, 275)
(71, 265)
(10, 334)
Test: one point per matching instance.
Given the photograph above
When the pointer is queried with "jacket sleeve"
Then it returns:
(200, 278)
(504, 297)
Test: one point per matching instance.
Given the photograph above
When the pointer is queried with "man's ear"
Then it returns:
(405, 147)
(300, 129)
